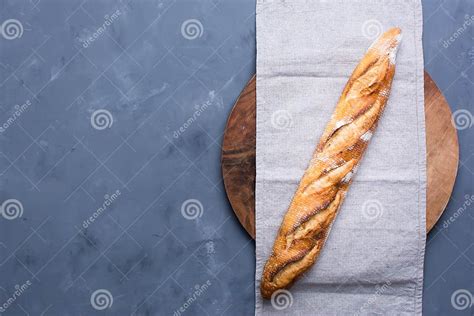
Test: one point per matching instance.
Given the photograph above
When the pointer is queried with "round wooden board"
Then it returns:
(238, 155)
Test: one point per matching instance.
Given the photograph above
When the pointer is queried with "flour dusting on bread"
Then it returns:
(367, 136)
(392, 54)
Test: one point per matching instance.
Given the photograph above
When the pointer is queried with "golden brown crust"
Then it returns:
(323, 186)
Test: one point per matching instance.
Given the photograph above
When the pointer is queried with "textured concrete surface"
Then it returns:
(112, 116)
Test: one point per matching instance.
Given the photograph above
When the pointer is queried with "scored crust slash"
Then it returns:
(322, 189)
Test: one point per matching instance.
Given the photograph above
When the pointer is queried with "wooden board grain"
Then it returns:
(238, 155)
(442, 152)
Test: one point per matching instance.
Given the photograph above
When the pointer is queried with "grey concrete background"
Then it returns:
(167, 74)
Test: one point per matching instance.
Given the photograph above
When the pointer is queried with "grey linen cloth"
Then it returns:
(372, 262)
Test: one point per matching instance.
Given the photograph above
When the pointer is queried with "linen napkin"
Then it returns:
(372, 262)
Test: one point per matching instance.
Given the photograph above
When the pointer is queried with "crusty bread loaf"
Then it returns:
(323, 187)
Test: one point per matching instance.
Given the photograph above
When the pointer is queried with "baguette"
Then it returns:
(322, 189)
